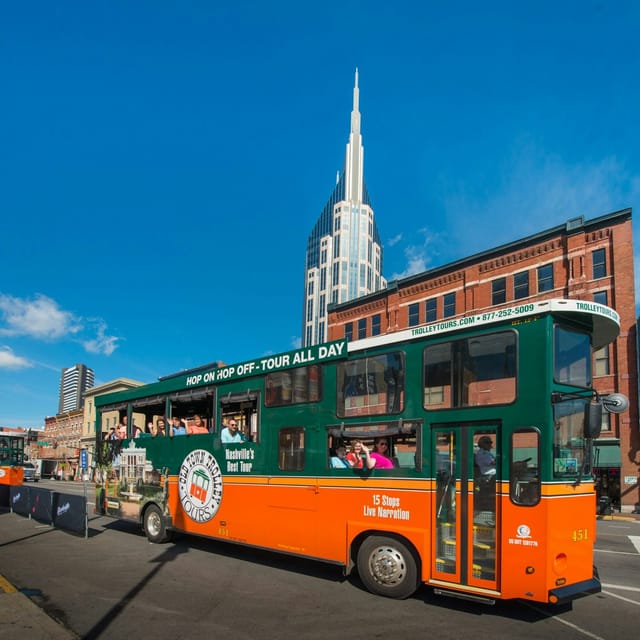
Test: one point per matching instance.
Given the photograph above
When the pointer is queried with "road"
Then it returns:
(115, 583)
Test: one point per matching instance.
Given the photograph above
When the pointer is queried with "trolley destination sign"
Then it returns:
(299, 358)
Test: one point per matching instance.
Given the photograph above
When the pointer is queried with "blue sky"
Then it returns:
(162, 163)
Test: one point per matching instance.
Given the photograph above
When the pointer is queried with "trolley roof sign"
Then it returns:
(605, 321)
(299, 358)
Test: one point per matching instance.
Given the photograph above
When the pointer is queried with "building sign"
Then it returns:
(630, 480)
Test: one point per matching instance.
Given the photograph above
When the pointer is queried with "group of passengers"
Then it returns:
(177, 427)
(359, 456)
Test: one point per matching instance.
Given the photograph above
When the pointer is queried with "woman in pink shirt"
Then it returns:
(380, 454)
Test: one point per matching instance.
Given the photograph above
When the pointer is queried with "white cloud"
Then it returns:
(102, 343)
(537, 191)
(393, 241)
(296, 342)
(9, 360)
(419, 256)
(39, 318)
(42, 318)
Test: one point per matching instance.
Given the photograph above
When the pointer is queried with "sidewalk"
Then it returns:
(20, 617)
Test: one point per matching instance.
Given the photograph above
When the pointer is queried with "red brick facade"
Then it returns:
(586, 260)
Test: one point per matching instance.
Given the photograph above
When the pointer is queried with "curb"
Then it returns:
(21, 617)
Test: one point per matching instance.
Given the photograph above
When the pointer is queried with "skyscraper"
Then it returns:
(344, 253)
(73, 383)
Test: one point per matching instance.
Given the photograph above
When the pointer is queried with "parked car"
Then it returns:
(30, 472)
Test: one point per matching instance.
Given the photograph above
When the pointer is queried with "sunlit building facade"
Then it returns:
(344, 253)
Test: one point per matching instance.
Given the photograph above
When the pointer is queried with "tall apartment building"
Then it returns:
(344, 253)
(582, 259)
(73, 383)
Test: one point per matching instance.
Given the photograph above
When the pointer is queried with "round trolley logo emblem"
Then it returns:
(200, 485)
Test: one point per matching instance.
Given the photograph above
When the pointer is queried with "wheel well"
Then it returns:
(356, 543)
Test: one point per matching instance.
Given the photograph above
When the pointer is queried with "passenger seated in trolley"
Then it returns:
(197, 425)
(231, 433)
(339, 460)
(177, 427)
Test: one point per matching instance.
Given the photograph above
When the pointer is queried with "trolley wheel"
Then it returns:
(154, 525)
(388, 567)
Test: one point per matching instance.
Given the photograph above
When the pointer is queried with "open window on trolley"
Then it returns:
(397, 440)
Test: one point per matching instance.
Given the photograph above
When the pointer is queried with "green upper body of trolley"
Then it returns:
(545, 349)
(11, 450)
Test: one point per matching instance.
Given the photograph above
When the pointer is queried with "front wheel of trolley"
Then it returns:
(388, 567)
(154, 525)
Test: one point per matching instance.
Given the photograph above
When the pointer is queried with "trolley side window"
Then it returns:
(291, 449)
(525, 467)
(293, 386)
(472, 372)
(371, 386)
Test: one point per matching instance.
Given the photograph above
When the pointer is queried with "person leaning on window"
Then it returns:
(231, 433)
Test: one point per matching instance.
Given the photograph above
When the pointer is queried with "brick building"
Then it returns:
(582, 259)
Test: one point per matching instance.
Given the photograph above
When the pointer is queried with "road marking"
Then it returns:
(6, 586)
(620, 586)
(615, 595)
(635, 541)
(567, 623)
(620, 553)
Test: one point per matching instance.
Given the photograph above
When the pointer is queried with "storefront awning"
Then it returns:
(606, 454)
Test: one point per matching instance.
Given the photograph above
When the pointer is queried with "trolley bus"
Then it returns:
(11, 458)
(516, 382)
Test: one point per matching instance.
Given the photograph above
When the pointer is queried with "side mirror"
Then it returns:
(615, 402)
(592, 419)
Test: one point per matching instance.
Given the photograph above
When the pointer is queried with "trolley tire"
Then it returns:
(154, 525)
(388, 567)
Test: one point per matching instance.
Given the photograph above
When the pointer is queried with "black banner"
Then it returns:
(70, 512)
(41, 508)
(19, 499)
(4, 495)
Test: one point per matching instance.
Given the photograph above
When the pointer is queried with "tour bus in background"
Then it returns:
(11, 458)
(480, 428)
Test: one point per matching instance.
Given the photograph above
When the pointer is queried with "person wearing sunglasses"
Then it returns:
(381, 454)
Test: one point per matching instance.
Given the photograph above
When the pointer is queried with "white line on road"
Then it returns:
(635, 541)
(620, 553)
(568, 624)
(615, 595)
(621, 587)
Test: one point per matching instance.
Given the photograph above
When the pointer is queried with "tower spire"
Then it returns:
(354, 161)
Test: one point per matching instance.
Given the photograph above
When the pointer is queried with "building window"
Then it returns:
(309, 310)
(310, 288)
(601, 362)
(362, 328)
(601, 297)
(499, 291)
(375, 325)
(414, 314)
(599, 263)
(430, 310)
(449, 305)
(336, 246)
(521, 285)
(545, 278)
(348, 330)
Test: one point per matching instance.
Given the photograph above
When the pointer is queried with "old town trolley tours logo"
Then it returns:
(200, 485)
